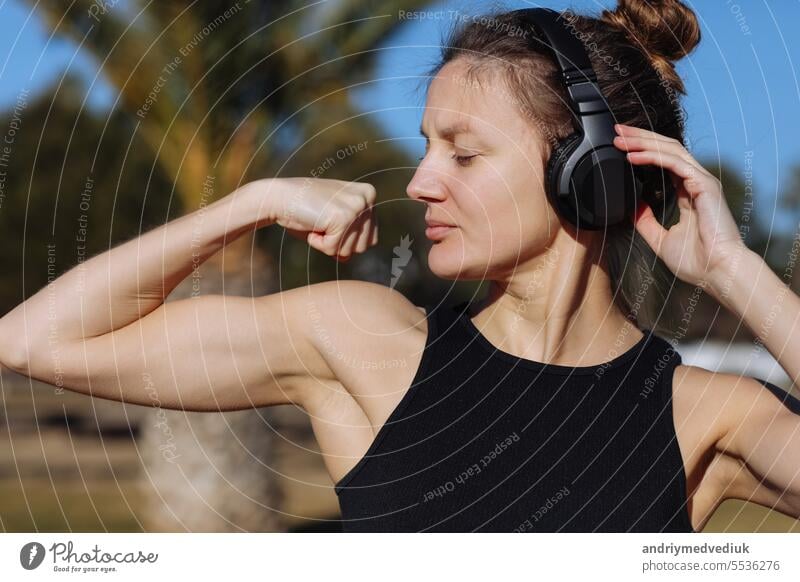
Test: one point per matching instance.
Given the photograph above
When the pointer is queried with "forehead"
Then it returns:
(458, 104)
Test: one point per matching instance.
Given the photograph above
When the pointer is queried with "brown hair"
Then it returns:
(632, 50)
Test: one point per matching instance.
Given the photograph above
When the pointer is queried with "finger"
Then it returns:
(636, 144)
(694, 181)
(648, 226)
(361, 229)
(629, 130)
(316, 240)
(326, 242)
(373, 239)
(364, 236)
(347, 243)
(630, 133)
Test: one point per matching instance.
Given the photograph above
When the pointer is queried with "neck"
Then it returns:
(557, 308)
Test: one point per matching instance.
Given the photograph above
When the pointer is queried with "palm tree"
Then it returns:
(223, 92)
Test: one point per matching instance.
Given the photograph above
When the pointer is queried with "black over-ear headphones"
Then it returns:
(588, 179)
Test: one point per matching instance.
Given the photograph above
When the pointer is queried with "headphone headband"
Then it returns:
(568, 50)
(589, 180)
(574, 65)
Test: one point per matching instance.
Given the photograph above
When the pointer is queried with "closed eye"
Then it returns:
(460, 160)
(463, 160)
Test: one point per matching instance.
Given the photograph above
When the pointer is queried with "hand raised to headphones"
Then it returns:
(704, 246)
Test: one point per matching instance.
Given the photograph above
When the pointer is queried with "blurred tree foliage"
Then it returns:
(63, 189)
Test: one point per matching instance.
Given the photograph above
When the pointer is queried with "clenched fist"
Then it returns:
(333, 216)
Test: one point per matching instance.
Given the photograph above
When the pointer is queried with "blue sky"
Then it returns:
(742, 81)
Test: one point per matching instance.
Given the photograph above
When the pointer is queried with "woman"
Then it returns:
(540, 408)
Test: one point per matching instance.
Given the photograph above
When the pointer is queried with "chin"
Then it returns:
(449, 261)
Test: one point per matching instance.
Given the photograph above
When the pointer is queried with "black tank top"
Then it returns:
(486, 441)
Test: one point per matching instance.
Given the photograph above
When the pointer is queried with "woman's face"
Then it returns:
(483, 174)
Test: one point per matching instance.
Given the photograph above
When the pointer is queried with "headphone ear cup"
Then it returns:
(559, 155)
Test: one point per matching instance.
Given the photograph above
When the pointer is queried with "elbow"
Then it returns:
(15, 359)
(14, 354)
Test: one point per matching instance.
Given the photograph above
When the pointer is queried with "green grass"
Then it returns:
(735, 516)
(103, 508)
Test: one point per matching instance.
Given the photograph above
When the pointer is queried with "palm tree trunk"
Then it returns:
(214, 472)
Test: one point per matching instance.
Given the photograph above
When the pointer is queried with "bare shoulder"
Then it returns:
(720, 401)
(356, 326)
(702, 420)
(370, 307)
(699, 397)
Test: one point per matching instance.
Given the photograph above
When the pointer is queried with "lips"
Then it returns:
(437, 230)
(433, 223)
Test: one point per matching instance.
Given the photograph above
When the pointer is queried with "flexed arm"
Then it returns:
(114, 337)
(117, 287)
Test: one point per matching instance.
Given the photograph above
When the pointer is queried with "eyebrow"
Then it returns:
(451, 131)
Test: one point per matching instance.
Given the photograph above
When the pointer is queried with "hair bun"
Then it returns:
(667, 30)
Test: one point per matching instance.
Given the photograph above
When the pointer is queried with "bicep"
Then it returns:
(764, 436)
(207, 353)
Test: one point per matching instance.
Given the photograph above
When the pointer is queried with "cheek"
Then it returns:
(525, 225)
(517, 212)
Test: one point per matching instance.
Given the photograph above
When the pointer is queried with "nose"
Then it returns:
(425, 186)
